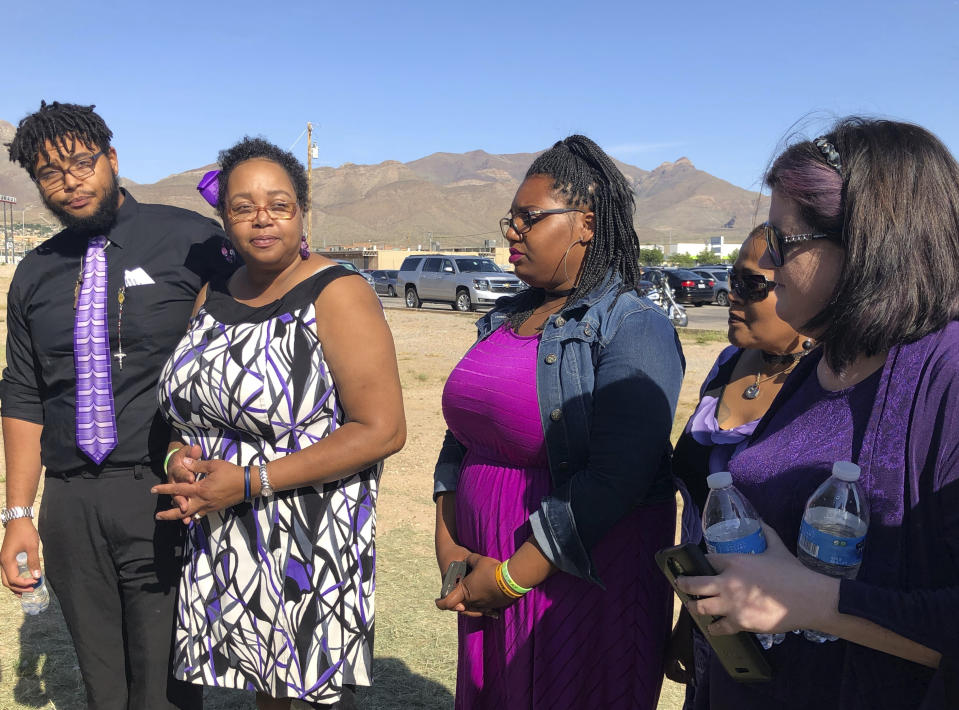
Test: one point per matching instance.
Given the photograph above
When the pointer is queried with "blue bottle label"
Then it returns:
(830, 549)
(752, 544)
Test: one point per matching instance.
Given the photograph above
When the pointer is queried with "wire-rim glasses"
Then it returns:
(523, 220)
(248, 212)
(81, 168)
(751, 288)
(777, 242)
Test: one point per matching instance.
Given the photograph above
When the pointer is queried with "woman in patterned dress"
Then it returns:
(286, 394)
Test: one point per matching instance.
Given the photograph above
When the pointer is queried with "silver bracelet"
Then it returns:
(17, 511)
(266, 490)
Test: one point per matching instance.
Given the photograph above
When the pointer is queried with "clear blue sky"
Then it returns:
(720, 83)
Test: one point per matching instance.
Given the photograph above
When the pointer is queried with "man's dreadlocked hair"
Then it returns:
(588, 179)
(62, 125)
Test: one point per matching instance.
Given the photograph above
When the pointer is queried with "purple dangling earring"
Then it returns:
(227, 251)
(304, 248)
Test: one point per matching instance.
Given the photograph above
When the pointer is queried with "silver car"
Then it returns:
(352, 267)
(720, 278)
(464, 282)
(384, 281)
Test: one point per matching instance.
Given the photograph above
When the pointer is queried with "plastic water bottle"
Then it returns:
(731, 525)
(833, 530)
(39, 599)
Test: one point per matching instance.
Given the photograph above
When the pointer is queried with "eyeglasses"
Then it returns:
(81, 168)
(777, 242)
(751, 288)
(247, 211)
(523, 221)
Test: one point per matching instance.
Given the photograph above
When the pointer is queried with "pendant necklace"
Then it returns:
(549, 311)
(121, 297)
(78, 284)
(752, 391)
(789, 359)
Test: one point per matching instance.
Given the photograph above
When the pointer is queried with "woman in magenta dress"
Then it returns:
(554, 482)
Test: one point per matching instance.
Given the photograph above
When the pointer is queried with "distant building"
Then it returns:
(719, 246)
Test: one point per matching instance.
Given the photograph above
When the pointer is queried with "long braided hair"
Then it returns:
(588, 179)
(62, 125)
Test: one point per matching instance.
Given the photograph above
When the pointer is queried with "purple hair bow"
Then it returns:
(209, 187)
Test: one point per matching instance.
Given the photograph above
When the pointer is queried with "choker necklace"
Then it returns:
(789, 359)
(559, 294)
(786, 359)
(773, 359)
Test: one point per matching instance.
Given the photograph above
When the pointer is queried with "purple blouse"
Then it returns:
(902, 426)
(705, 429)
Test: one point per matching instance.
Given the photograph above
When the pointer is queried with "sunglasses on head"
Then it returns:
(751, 288)
(776, 242)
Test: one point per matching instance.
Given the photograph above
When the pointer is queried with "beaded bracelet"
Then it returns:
(503, 587)
(166, 461)
(511, 583)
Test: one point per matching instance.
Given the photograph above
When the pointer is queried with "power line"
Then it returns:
(464, 236)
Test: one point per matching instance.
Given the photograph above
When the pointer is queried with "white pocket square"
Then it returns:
(136, 277)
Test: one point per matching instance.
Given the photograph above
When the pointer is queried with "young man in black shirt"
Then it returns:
(113, 567)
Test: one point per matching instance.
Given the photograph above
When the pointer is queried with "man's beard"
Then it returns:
(100, 222)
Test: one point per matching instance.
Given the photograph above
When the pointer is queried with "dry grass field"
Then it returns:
(415, 650)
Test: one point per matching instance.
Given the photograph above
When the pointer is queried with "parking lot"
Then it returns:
(708, 317)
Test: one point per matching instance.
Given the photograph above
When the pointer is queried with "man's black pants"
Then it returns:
(115, 569)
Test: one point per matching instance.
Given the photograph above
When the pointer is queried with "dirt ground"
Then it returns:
(415, 649)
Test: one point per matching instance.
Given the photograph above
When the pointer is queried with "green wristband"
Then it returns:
(166, 461)
(509, 580)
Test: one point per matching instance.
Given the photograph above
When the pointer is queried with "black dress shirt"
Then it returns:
(179, 251)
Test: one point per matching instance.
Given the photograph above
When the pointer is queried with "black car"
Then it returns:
(689, 287)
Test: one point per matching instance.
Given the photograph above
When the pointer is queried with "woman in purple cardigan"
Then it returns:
(863, 237)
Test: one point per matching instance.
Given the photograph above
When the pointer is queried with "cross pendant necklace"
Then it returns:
(121, 297)
(78, 284)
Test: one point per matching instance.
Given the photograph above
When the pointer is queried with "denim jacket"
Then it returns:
(608, 375)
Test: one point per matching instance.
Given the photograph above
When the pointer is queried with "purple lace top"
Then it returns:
(705, 429)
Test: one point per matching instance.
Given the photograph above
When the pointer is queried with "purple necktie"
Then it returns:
(96, 423)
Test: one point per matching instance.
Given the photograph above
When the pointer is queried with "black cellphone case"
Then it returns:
(740, 653)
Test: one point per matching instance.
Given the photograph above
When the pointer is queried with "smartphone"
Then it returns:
(740, 653)
(454, 573)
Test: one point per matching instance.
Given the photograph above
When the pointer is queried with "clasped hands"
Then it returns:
(477, 594)
(199, 486)
(772, 592)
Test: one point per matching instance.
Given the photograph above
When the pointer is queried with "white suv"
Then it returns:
(462, 281)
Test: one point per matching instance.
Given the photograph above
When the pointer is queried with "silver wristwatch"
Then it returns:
(17, 511)
(266, 490)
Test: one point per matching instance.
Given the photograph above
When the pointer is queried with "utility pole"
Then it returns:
(309, 183)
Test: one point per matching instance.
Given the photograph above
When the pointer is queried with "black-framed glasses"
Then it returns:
(777, 242)
(81, 168)
(247, 211)
(751, 288)
(523, 220)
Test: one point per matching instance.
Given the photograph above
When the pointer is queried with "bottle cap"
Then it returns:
(21, 558)
(720, 479)
(846, 471)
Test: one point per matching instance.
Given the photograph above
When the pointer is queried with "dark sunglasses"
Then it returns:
(751, 288)
(776, 242)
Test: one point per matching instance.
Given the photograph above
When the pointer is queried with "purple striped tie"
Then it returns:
(96, 422)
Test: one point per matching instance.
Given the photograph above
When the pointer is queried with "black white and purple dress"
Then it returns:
(276, 596)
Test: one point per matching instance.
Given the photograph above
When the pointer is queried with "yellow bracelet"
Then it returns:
(166, 461)
(511, 583)
(503, 587)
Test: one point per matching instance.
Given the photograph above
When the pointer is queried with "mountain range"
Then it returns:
(455, 199)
